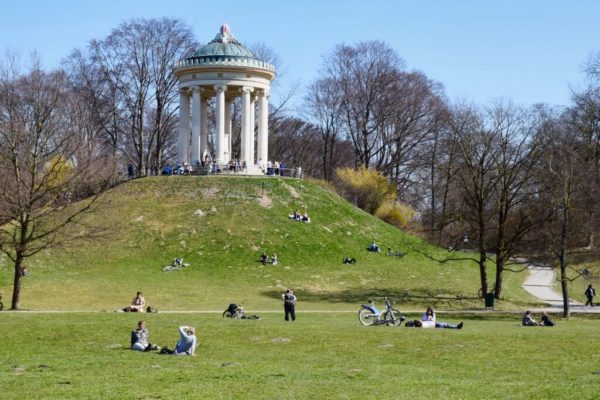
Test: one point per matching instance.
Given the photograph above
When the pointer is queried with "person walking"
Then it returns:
(289, 304)
(590, 293)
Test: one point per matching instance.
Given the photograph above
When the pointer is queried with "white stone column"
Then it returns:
(263, 126)
(245, 134)
(196, 116)
(203, 126)
(252, 126)
(220, 122)
(184, 126)
(227, 130)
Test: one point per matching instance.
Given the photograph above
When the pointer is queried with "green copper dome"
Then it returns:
(224, 50)
(224, 44)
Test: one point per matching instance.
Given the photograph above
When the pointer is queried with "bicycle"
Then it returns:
(369, 314)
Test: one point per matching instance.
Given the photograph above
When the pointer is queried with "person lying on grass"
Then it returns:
(428, 321)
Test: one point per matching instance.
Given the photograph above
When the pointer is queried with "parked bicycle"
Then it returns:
(370, 315)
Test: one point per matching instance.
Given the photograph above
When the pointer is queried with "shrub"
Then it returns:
(365, 187)
(395, 213)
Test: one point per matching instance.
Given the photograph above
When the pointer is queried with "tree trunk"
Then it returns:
(482, 254)
(499, 269)
(16, 296)
(564, 282)
(483, 274)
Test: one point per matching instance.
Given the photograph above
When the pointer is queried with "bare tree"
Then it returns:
(129, 80)
(46, 159)
(437, 181)
(515, 163)
(419, 109)
(563, 174)
(477, 178)
(366, 76)
(323, 106)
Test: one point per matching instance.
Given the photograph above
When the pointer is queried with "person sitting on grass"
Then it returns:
(305, 218)
(348, 260)
(528, 319)
(374, 247)
(274, 259)
(137, 304)
(263, 258)
(139, 338)
(546, 321)
(428, 321)
(186, 346)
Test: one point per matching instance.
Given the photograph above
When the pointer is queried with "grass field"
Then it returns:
(220, 225)
(320, 356)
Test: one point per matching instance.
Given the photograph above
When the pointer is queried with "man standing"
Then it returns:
(590, 293)
(289, 304)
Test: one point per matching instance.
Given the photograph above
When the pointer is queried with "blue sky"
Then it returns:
(524, 51)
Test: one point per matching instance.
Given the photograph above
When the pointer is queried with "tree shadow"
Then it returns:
(362, 295)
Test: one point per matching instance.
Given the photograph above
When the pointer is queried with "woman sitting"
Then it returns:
(137, 304)
(139, 338)
(528, 319)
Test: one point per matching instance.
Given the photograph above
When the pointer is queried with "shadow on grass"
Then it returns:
(362, 295)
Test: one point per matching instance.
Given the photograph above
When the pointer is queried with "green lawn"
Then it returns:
(320, 356)
(220, 225)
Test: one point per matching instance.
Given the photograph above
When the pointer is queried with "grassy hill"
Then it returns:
(220, 225)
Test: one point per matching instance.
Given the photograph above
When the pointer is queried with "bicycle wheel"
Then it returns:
(227, 314)
(366, 316)
(393, 317)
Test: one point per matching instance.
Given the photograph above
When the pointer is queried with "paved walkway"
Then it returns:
(539, 284)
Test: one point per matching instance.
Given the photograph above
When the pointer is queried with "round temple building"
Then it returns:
(223, 69)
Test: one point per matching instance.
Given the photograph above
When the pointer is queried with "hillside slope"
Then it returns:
(220, 225)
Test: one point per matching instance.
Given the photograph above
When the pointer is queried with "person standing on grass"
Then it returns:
(289, 304)
(590, 293)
